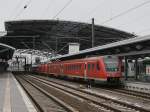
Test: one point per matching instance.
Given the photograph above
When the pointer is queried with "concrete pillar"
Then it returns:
(126, 68)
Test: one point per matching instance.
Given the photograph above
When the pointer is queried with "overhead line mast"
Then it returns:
(93, 33)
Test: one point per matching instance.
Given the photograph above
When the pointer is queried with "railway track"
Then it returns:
(121, 91)
(105, 102)
(145, 96)
(77, 106)
(126, 92)
(42, 100)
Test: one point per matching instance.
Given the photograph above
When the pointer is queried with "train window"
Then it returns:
(79, 67)
(89, 66)
(74, 67)
(97, 66)
(69, 68)
(93, 67)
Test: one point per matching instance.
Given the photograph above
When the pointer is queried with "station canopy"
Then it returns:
(6, 52)
(53, 36)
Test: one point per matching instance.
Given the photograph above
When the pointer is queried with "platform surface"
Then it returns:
(137, 86)
(12, 96)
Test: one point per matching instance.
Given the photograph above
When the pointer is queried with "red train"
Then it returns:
(106, 68)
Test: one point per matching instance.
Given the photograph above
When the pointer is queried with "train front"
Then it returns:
(112, 68)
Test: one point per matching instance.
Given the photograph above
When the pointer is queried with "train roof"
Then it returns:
(83, 59)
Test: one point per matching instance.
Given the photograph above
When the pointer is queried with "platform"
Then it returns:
(137, 86)
(12, 96)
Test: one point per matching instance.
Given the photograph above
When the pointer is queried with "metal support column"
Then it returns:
(17, 62)
(33, 42)
(31, 62)
(136, 68)
(56, 49)
(93, 33)
(126, 68)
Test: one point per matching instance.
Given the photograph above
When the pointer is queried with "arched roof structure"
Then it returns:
(54, 35)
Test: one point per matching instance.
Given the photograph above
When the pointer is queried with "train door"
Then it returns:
(61, 69)
(85, 70)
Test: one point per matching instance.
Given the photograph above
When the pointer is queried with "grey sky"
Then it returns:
(137, 21)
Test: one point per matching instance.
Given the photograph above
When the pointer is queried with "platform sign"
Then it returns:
(74, 47)
(148, 70)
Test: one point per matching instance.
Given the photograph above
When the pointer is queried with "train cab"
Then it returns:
(112, 67)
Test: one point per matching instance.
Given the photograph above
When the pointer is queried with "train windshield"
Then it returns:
(111, 64)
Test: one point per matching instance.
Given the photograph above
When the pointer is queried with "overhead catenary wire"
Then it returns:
(62, 48)
(16, 8)
(92, 11)
(145, 30)
(126, 12)
(95, 8)
(65, 6)
(120, 14)
(46, 9)
(24, 7)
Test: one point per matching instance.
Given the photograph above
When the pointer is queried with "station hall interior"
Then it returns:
(27, 44)
(75, 56)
